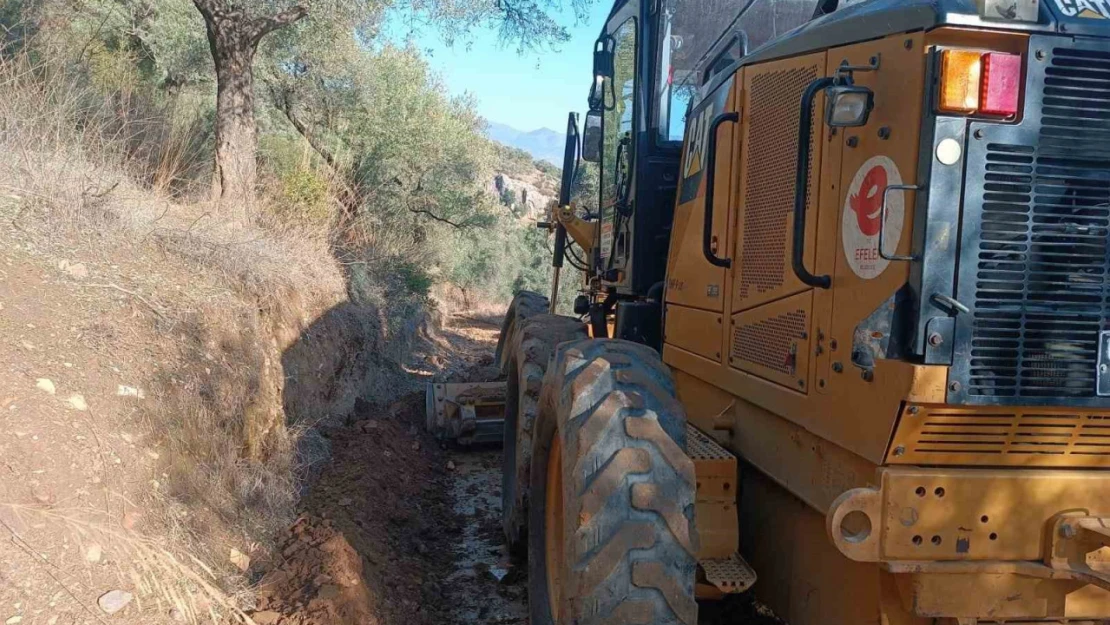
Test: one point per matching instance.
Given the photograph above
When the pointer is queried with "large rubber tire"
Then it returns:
(525, 304)
(531, 346)
(628, 539)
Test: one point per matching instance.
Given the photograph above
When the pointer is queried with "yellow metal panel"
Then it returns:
(996, 597)
(976, 514)
(802, 578)
(717, 484)
(697, 331)
(691, 279)
(863, 281)
(815, 470)
(769, 155)
(856, 414)
(860, 423)
(772, 341)
(1001, 436)
(827, 247)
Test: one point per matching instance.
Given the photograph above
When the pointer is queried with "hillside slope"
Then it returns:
(543, 143)
(167, 372)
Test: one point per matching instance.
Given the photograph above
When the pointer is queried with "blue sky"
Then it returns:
(526, 91)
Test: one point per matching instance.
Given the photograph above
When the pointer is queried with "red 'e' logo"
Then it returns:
(868, 203)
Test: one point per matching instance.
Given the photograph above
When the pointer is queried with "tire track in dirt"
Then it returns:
(402, 530)
(398, 529)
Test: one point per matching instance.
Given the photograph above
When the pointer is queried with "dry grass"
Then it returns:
(238, 313)
(182, 585)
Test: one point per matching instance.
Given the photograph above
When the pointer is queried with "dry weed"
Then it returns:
(181, 583)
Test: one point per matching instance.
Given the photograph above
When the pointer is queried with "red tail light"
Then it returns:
(980, 83)
(1001, 84)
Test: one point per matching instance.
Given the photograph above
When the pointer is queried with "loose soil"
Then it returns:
(401, 530)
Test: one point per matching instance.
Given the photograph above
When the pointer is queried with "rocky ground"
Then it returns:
(400, 529)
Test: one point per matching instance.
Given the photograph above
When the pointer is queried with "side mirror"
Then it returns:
(591, 138)
(848, 105)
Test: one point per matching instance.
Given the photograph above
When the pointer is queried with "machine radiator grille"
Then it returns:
(769, 193)
(1041, 293)
(771, 342)
(998, 437)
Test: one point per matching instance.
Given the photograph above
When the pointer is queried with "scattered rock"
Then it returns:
(241, 560)
(346, 501)
(75, 270)
(46, 385)
(321, 579)
(131, 519)
(93, 553)
(13, 620)
(416, 445)
(77, 402)
(450, 465)
(41, 494)
(114, 600)
(328, 591)
(130, 391)
(266, 617)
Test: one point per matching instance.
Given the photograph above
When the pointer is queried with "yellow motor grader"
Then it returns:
(843, 325)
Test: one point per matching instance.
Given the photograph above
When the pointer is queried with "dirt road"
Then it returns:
(400, 530)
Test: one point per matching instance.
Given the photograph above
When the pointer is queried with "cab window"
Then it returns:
(687, 30)
(619, 98)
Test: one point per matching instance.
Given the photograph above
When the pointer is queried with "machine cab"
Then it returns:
(653, 63)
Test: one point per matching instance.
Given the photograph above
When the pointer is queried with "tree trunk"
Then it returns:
(233, 39)
(236, 138)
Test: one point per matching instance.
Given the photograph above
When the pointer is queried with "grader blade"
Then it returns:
(466, 413)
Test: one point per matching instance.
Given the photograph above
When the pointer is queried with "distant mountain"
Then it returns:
(543, 144)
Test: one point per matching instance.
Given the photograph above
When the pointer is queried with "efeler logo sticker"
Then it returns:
(861, 223)
(1092, 9)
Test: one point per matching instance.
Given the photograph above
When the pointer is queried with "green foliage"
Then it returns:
(584, 189)
(374, 124)
(415, 279)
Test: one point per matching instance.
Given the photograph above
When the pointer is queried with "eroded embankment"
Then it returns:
(399, 529)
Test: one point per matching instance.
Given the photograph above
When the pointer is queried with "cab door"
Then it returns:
(696, 268)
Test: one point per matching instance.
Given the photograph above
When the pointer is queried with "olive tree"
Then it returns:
(235, 28)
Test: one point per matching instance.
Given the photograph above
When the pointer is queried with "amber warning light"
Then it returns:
(976, 82)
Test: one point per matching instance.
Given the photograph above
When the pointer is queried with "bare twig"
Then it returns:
(24, 546)
(112, 285)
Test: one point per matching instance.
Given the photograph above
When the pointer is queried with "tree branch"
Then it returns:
(266, 25)
(207, 9)
(285, 105)
(423, 211)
